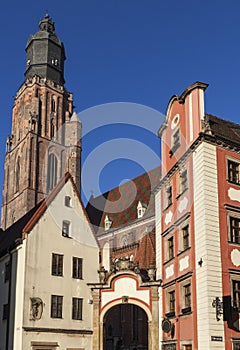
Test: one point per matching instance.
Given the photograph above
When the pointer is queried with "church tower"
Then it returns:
(46, 134)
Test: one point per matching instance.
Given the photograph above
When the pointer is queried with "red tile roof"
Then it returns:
(120, 203)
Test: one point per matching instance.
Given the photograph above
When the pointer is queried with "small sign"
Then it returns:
(216, 338)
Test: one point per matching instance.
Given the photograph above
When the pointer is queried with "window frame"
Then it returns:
(170, 295)
(168, 196)
(56, 306)
(233, 215)
(77, 309)
(77, 267)
(57, 264)
(186, 297)
(182, 181)
(66, 224)
(233, 175)
(175, 141)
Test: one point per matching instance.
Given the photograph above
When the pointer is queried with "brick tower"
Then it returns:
(46, 134)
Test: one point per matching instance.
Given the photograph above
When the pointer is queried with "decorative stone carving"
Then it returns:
(36, 308)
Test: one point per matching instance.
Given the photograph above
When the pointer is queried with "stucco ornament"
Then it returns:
(170, 271)
(36, 308)
(234, 194)
(168, 217)
(184, 263)
(183, 205)
(235, 257)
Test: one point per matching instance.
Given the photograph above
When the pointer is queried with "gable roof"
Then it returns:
(14, 235)
(120, 203)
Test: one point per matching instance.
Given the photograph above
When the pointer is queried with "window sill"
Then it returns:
(180, 194)
(170, 314)
(167, 261)
(183, 251)
(186, 311)
(233, 183)
(165, 209)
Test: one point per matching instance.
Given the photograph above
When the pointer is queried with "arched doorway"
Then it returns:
(125, 328)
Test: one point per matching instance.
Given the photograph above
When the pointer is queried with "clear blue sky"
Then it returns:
(133, 51)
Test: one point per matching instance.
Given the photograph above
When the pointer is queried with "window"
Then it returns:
(183, 184)
(170, 248)
(107, 223)
(236, 293)
(7, 272)
(17, 174)
(53, 104)
(234, 172)
(77, 305)
(234, 224)
(52, 129)
(175, 142)
(77, 268)
(5, 312)
(236, 345)
(56, 306)
(67, 201)
(57, 265)
(185, 237)
(52, 172)
(168, 196)
(170, 303)
(187, 298)
(65, 228)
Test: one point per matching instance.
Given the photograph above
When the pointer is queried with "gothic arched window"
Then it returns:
(17, 174)
(52, 131)
(52, 172)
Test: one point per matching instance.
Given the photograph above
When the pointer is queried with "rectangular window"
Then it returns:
(7, 272)
(187, 295)
(170, 303)
(236, 293)
(168, 196)
(65, 228)
(175, 142)
(77, 305)
(5, 312)
(236, 346)
(57, 264)
(183, 184)
(234, 172)
(185, 237)
(170, 248)
(56, 306)
(234, 229)
(77, 268)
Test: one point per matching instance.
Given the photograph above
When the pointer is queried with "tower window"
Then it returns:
(17, 174)
(52, 129)
(52, 172)
(53, 105)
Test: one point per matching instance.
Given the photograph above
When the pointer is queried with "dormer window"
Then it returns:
(107, 223)
(141, 209)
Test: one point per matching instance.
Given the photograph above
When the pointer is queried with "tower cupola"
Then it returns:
(45, 54)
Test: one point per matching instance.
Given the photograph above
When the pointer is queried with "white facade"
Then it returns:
(33, 264)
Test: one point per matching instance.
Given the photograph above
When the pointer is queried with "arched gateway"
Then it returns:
(125, 309)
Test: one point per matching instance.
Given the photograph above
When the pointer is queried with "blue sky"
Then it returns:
(132, 51)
